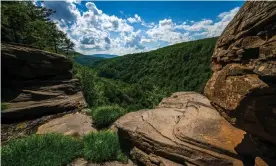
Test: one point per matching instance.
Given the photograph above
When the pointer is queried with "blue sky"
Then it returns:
(128, 27)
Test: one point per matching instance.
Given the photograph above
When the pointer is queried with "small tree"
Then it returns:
(69, 45)
(66, 44)
(23, 22)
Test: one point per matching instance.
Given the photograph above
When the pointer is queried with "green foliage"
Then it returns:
(40, 150)
(99, 91)
(104, 116)
(102, 146)
(180, 67)
(4, 106)
(25, 23)
(141, 80)
(92, 86)
(87, 60)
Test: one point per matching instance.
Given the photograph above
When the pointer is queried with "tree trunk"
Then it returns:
(55, 44)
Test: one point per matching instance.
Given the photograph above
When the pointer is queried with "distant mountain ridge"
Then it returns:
(103, 55)
(90, 60)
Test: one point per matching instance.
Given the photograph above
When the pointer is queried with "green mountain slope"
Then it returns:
(87, 60)
(180, 67)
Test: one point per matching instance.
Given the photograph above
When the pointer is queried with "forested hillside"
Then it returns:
(87, 60)
(180, 67)
(133, 81)
(141, 80)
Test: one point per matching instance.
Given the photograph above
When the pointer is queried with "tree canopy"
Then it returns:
(141, 80)
(180, 67)
(25, 23)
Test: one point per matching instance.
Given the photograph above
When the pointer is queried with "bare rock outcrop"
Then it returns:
(83, 162)
(74, 124)
(36, 83)
(190, 129)
(184, 129)
(243, 85)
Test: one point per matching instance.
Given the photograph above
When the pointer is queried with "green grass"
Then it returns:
(41, 150)
(104, 116)
(4, 106)
(57, 149)
(102, 146)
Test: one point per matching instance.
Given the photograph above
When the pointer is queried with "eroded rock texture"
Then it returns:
(184, 130)
(243, 86)
(74, 124)
(36, 83)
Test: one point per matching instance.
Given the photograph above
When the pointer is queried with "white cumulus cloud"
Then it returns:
(94, 31)
(134, 19)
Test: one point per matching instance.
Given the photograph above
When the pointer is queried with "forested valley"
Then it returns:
(42, 56)
(133, 81)
(141, 80)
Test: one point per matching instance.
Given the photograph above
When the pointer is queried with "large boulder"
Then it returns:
(243, 85)
(184, 129)
(36, 83)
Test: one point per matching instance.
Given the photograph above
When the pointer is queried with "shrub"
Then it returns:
(4, 106)
(105, 115)
(102, 146)
(91, 87)
(40, 150)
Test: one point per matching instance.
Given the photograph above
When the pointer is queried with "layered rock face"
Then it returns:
(236, 124)
(243, 86)
(36, 83)
(183, 130)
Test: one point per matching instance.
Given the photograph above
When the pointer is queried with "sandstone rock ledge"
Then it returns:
(36, 83)
(183, 130)
(243, 86)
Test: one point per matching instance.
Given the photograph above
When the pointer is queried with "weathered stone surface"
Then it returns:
(243, 85)
(249, 37)
(21, 129)
(36, 83)
(83, 162)
(184, 129)
(113, 163)
(79, 162)
(74, 124)
(24, 63)
(42, 98)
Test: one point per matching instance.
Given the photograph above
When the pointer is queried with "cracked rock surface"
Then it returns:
(183, 129)
(243, 85)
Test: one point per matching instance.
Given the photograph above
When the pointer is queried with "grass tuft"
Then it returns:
(102, 146)
(41, 150)
(104, 116)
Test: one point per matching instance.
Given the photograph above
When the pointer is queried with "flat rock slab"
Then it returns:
(184, 129)
(22, 129)
(75, 124)
(83, 162)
